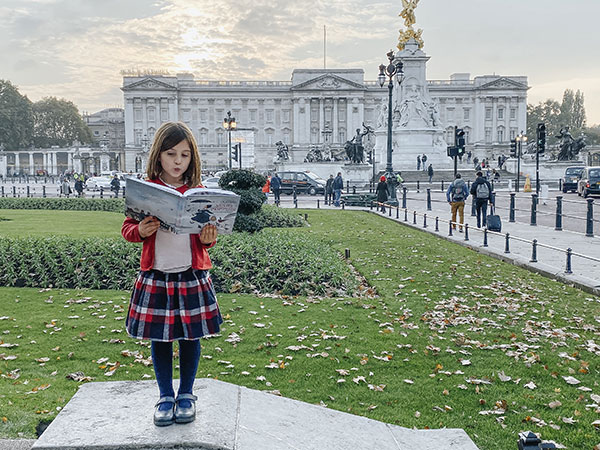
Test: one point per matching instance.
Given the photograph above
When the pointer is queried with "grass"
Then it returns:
(23, 222)
(429, 351)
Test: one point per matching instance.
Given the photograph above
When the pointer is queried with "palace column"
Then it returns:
(17, 162)
(130, 121)
(296, 120)
(31, 168)
(70, 160)
(54, 163)
(335, 137)
(320, 137)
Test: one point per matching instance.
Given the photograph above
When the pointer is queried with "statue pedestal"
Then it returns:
(549, 170)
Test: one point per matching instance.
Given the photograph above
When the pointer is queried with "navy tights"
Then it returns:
(162, 358)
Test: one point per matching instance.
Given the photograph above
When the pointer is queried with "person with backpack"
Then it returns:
(430, 172)
(481, 190)
(456, 195)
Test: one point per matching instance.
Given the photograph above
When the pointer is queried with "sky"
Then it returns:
(76, 49)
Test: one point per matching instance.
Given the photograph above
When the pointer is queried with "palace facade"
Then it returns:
(317, 107)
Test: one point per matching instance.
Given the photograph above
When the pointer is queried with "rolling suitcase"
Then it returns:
(493, 221)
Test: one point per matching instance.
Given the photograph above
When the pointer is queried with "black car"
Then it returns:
(305, 182)
(589, 184)
(571, 178)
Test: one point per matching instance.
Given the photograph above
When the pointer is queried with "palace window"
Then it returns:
(513, 133)
(466, 113)
(501, 113)
(151, 116)
(138, 114)
(450, 114)
(220, 138)
(488, 135)
(501, 134)
(252, 116)
(164, 114)
(513, 113)
(203, 115)
(269, 115)
(488, 113)
(286, 115)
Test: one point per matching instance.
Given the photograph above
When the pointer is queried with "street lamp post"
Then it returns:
(229, 124)
(520, 139)
(389, 72)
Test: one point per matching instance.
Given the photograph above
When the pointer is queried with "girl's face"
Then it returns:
(174, 162)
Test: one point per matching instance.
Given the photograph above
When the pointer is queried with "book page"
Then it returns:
(209, 206)
(144, 198)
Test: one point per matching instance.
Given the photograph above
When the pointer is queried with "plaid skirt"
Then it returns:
(171, 306)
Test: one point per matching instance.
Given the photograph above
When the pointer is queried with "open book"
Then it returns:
(180, 213)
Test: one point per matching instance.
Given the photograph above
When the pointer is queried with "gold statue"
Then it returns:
(408, 14)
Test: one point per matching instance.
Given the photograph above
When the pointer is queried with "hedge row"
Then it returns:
(72, 204)
(282, 262)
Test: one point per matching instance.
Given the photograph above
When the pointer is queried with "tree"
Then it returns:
(16, 117)
(547, 112)
(57, 122)
(578, 111)
(566, 108)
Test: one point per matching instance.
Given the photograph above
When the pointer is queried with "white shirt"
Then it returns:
(172, 252)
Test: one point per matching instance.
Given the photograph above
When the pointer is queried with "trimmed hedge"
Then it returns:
(266, 262)
(73, 204)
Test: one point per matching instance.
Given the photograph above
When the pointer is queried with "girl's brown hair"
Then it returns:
(168, 135)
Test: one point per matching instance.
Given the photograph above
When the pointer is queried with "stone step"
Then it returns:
(118, 415)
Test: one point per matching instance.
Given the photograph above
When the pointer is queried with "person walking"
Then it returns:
(267, 188)
(430, 172)
(456, 195)
(65, 188)
(79, 185)
(115, 185)
(481, 190)
(418, 162)
(382, 193)
(173, 298)
(276, 188)
(329, 190)
(423, 161)
(338, 185)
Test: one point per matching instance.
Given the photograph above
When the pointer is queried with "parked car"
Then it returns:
(95, 183)
(589, 183)
(212, 183)
(571, 178)
(305, 182)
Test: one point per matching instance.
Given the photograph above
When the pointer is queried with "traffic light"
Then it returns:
(459, 140)
(235, 152)
(513, 147)
(370, 157)
(541, 138)
(452, 151)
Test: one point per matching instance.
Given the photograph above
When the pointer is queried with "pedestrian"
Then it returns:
(329, 190)
(430, 172)
(475, 161)
(115, 185)
(418, 162)
(481, 190)
(469, 154)
(276, 188)
(338, 185)
(173, 298)
(456, 195)
(496, 175)
(382, 193)
(65, 188)
(423, 161)
(79, 185)
(267, 188)
(400, 180)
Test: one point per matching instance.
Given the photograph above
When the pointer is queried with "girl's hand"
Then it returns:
(148, 226)
(208, 235)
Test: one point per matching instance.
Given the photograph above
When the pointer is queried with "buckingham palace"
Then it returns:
(317, 107)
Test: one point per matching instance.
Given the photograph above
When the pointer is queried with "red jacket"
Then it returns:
(130, 231)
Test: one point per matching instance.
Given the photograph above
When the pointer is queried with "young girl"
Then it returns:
(173, 298)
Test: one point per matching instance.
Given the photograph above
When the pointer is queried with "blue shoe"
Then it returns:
(185, 408)
(163, 418)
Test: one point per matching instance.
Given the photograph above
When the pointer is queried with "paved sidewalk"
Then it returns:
(551, 262)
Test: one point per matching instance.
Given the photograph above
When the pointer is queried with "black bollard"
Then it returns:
(560, 184)
(533, 221)
(397, 212)
(44, 191)
(558, 226)
(371, 206)
(473, 208)
(534, 251)
(437, 219)
(466, 231)
(506, 243)
(28, 191)
(485, 237)
(306, 217)
(428, 199)
(450, 228)
(404, 197)
(511, 215)
(347, 187)
(123, 191)
(318, 205)
(418, 185)
(568, 268)
(389, 211)
(101, 192)
(414, 217)
(296, 203)
(405, 215)
(343, 204)
(589, 229)
(424, 220)
(347, 253)
(354, 189)
(442, 185)
(2, 191)
(14, 191)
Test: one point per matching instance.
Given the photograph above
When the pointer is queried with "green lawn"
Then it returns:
(25, 222)
(447, 338)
